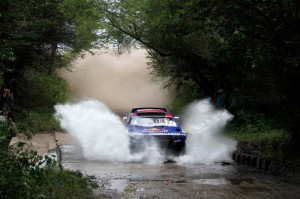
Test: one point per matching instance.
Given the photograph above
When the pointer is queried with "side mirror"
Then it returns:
(124, 118)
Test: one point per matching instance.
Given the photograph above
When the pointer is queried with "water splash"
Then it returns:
(102, 135)
(206, 143)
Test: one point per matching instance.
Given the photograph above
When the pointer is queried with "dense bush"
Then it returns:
(23, 177)
(24, 174)
(37, 89)
(270, 135)
(183, 98)
(7, 131)
(34, 120)
(36, 95)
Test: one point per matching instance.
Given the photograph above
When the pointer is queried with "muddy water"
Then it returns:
(173, 180)
(99, 150)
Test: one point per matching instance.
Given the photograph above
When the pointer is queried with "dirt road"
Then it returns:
(172, 180)
(167, 179)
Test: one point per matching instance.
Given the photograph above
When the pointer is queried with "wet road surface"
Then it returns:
(170, 180)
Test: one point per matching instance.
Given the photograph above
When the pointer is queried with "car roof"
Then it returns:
(149, 109)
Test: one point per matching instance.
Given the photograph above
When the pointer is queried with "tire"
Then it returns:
(181, 148)
(177, 150)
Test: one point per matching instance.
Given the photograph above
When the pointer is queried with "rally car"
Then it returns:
(145, 125)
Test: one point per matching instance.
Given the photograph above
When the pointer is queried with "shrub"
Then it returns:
(41, 90)
(23, 177)
(35, 120)
(8, 129)
(267, 133)
(36, 96)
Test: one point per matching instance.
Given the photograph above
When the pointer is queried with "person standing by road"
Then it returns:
(220, 99)
(5, 94)
(12, 90)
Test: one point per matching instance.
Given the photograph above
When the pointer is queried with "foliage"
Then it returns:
(24, 174)
(260, 121)
(23, 177)
(36, 94)
(8, 129)
(39, 89)
(175, 34)
(35, 98)
(68, 184)
(36, 38)
(234, 45)
(37, 34)
(272, 140)
(36, 120)
(182, 98)
(268, 134)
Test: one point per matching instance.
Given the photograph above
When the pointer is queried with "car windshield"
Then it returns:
(152, 121)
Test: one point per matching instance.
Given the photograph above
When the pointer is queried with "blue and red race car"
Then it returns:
(145, 125)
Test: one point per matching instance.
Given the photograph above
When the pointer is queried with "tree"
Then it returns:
(249, 46)
(174, 33)
(32, 33)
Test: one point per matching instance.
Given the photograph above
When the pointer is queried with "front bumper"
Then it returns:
(169, 142)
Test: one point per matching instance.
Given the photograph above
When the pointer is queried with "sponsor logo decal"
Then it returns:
(156, 130)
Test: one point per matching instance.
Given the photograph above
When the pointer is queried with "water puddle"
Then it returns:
(223, 181)
(123, 185)
(117, 184)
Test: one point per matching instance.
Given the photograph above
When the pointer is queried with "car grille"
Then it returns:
(167, 138)
(159, 138)
(162, 137)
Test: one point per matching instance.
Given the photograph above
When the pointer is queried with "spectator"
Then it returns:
(12, 88)
(220, 99)
(5, 95)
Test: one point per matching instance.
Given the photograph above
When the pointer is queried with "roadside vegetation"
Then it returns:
(24, 174)
(37, 39)
(39, 92)
(270, 137)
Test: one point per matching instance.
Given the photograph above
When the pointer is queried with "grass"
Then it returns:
(271, 143)
(41, 120)
(267, 139)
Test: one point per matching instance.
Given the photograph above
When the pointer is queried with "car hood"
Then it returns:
(154, 130)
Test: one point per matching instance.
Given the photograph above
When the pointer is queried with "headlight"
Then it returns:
(183, 131)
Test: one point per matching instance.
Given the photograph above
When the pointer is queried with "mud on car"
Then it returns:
(155, 125)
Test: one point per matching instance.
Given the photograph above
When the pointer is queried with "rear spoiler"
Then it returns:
(151, 114)
(136, 109)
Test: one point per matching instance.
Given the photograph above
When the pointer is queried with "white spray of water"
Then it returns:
(205, 143)
(100, 133)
